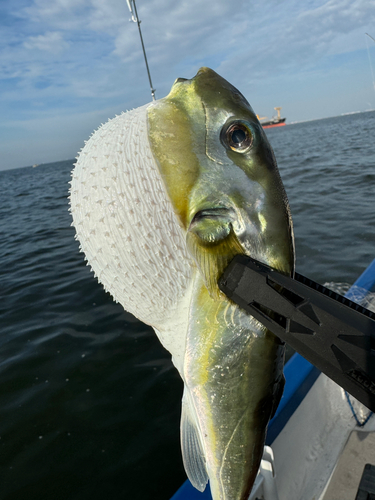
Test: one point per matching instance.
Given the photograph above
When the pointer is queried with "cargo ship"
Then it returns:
(276, 121)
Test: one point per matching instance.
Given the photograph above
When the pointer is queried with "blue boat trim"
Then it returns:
(300, 376)
(365, 281)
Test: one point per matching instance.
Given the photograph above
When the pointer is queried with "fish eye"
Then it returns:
(237, 136)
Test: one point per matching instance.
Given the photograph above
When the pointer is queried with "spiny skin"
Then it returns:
(233, 366)
(161, 205)
(127, 228)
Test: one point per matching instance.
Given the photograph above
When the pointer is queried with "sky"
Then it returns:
(66, 66)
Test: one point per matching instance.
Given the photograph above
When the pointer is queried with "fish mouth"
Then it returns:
(212, 225)
(212, 243)
(180, 80)
(223, 214)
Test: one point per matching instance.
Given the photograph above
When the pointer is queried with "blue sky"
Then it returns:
(66, 66)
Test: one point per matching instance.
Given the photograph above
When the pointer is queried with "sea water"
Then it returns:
(89, 400)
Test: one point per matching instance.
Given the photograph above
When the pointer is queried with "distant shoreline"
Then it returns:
(334, 116)
(349, 113)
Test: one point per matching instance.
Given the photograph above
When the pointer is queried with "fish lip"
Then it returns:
(212, 213)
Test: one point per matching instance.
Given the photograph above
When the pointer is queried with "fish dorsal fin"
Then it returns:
(192, 450)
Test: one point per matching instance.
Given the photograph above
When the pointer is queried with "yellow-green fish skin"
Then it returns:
(228, 202)
(233, 369)
(199, 172)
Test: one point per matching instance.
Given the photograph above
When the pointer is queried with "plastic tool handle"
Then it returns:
(331, 332)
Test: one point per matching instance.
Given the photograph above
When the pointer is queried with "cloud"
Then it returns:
(74, 56)
(56, 14)
(248, 39)
(52, 41)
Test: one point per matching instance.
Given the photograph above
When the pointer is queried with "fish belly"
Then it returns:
(233, 374)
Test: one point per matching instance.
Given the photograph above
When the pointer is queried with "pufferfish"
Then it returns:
(162, 198)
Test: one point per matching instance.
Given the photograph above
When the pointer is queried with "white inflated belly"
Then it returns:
(127, 228)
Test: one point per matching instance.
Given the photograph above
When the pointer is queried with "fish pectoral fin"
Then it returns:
(192, 449)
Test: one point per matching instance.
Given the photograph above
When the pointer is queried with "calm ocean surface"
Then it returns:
(89, 401)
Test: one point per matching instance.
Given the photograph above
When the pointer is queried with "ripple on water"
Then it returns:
(89, 401)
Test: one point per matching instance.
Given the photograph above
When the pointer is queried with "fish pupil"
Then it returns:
(238, 136)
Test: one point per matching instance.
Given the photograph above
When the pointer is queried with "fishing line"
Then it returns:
(135, 19)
